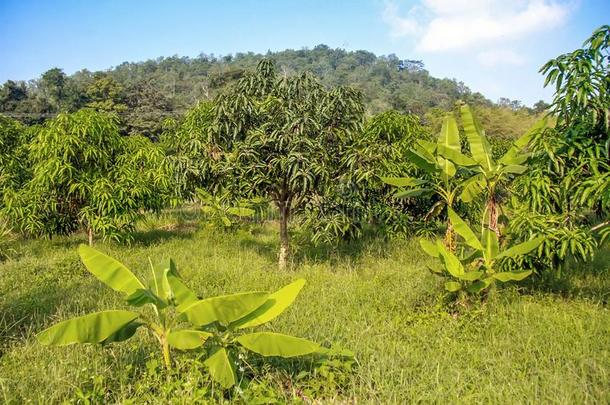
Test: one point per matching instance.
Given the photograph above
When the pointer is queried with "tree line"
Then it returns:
(143, 94)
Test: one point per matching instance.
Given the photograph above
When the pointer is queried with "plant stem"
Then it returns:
(166, 357)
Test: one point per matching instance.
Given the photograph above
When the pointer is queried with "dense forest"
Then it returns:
(145, 93)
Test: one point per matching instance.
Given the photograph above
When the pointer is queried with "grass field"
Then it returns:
(549, 344)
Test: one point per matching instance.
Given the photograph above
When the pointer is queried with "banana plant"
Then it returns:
(478, 270)
(226, 317)
(164, 291)
(182, 320)
(488, 173)
(441, 180)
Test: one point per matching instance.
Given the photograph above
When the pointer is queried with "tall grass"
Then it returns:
(375, 298)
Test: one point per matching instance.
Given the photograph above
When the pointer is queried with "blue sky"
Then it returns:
(494, 46)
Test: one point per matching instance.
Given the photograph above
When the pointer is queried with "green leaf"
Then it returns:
(449, 137)
(402, 181)
(471, 276)
(183, 295)
(109, 271)
(453, 286)
(277, 344)
(490, 241)
(479, 145)
(187, 339)
(521, 248)
(142, 297)
(513, 157)
(511, 275)
(241, 212)
(480, 285)
(451, 262)
(224, 309)
(125, 333)
(159, 284)
(273, 307)
(428, 166)
(472, 256)
(221, 368)
(446, 166)
(414, 192)
(514, 169)
(429, 247)
(226, 221)
(472, 187)
(456, 156)
(92, 328)
(462, 229)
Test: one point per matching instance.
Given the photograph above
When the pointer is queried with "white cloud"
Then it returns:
(447, 25)
(495, 57)
(400, 27)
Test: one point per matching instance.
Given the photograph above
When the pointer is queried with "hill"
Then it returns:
(144, 93)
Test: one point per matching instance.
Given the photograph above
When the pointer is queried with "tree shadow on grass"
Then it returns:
(26, 314)
(578, 280)
(304, 251)
(156, 236)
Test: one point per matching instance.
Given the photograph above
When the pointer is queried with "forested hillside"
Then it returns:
(145, 93)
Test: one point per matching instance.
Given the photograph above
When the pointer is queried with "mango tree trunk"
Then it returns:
(284, 207)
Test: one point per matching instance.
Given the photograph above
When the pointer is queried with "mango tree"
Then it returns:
(181, 319)
(85, 175)
(281, 135)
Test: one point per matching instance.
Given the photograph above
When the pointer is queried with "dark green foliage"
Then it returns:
(380, 152)
(285, 139)
(147, 109)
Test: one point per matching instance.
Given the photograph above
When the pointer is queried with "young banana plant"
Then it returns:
(225, 318)
(478, 270)
(488, 173)
(442, 171)
(182, 320)
(163, 292)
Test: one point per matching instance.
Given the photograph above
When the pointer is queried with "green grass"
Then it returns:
(548, 344)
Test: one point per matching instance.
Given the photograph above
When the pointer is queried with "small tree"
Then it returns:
(282, 134)
(85, 175)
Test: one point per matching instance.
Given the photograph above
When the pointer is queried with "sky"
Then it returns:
(495, 47)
